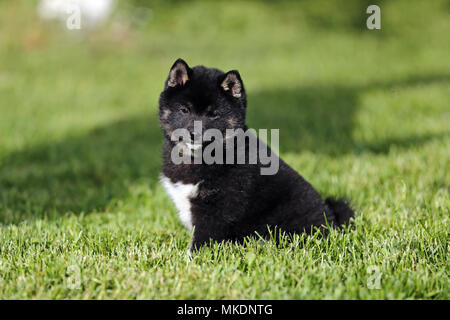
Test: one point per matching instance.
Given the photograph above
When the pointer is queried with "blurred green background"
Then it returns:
(362, 113)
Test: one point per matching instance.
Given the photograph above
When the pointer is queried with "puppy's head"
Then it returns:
(215, 98)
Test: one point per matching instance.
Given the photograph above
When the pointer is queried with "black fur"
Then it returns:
(235, 201)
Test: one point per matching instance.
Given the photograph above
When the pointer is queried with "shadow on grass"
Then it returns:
(321, 119)
(86, 173)
(80, 174)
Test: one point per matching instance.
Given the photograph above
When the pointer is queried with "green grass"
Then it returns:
(363, 114)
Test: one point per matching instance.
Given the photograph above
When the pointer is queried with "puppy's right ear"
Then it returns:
(231, 82)
(179, 74)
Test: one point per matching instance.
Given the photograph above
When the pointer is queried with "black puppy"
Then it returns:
(230, 201)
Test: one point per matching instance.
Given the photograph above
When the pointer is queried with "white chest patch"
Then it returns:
(181, 195)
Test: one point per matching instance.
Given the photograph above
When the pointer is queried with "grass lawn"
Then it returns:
(361, 113)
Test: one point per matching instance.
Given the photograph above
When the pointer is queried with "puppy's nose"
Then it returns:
(194, 135)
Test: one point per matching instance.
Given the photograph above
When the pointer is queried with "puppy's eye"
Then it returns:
(214, 114)
(184, 109)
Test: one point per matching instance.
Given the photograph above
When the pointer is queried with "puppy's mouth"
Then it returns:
(193, 146)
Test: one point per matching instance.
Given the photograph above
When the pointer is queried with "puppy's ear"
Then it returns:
(179, 74)
(231, 83)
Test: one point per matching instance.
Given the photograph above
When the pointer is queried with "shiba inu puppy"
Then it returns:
(229, 200)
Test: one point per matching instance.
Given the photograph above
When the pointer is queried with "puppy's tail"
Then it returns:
(341, 210)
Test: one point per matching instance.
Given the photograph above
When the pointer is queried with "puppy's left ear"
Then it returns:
(179, 73)
(231, 83)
